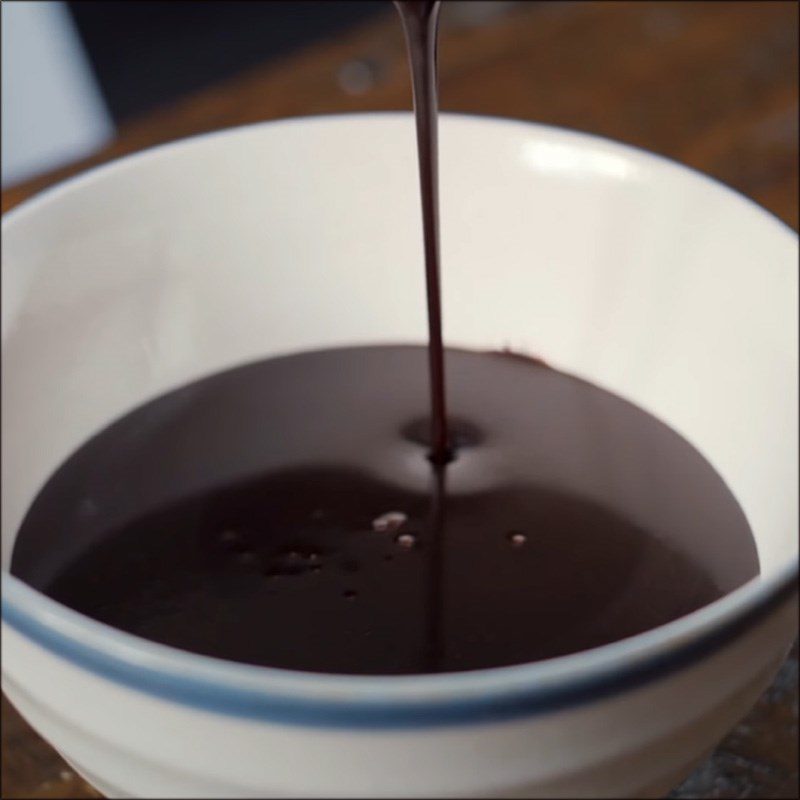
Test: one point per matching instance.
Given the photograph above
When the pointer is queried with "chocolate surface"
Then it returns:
(284, 513)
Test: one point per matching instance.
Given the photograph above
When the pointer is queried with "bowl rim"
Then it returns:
(407, 701)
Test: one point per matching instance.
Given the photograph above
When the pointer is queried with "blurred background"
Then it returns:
(711, 84)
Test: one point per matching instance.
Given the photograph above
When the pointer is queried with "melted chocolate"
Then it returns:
(284, 514)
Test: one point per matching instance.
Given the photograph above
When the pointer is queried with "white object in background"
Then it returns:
(53, 112)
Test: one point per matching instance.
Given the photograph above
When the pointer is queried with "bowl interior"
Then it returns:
(625, 269)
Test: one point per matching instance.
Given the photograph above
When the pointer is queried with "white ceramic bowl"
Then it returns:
(629, 270)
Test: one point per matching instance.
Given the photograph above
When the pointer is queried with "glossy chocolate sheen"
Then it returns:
(285, 513)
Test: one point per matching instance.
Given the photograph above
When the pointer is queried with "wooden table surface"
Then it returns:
(711, 84)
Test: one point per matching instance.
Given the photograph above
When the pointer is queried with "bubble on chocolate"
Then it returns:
(406, 540)
(390, 521)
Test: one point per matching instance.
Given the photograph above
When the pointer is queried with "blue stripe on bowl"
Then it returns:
(369, 713)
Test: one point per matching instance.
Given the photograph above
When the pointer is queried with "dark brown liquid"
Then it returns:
(420, 24)
(249, 516)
